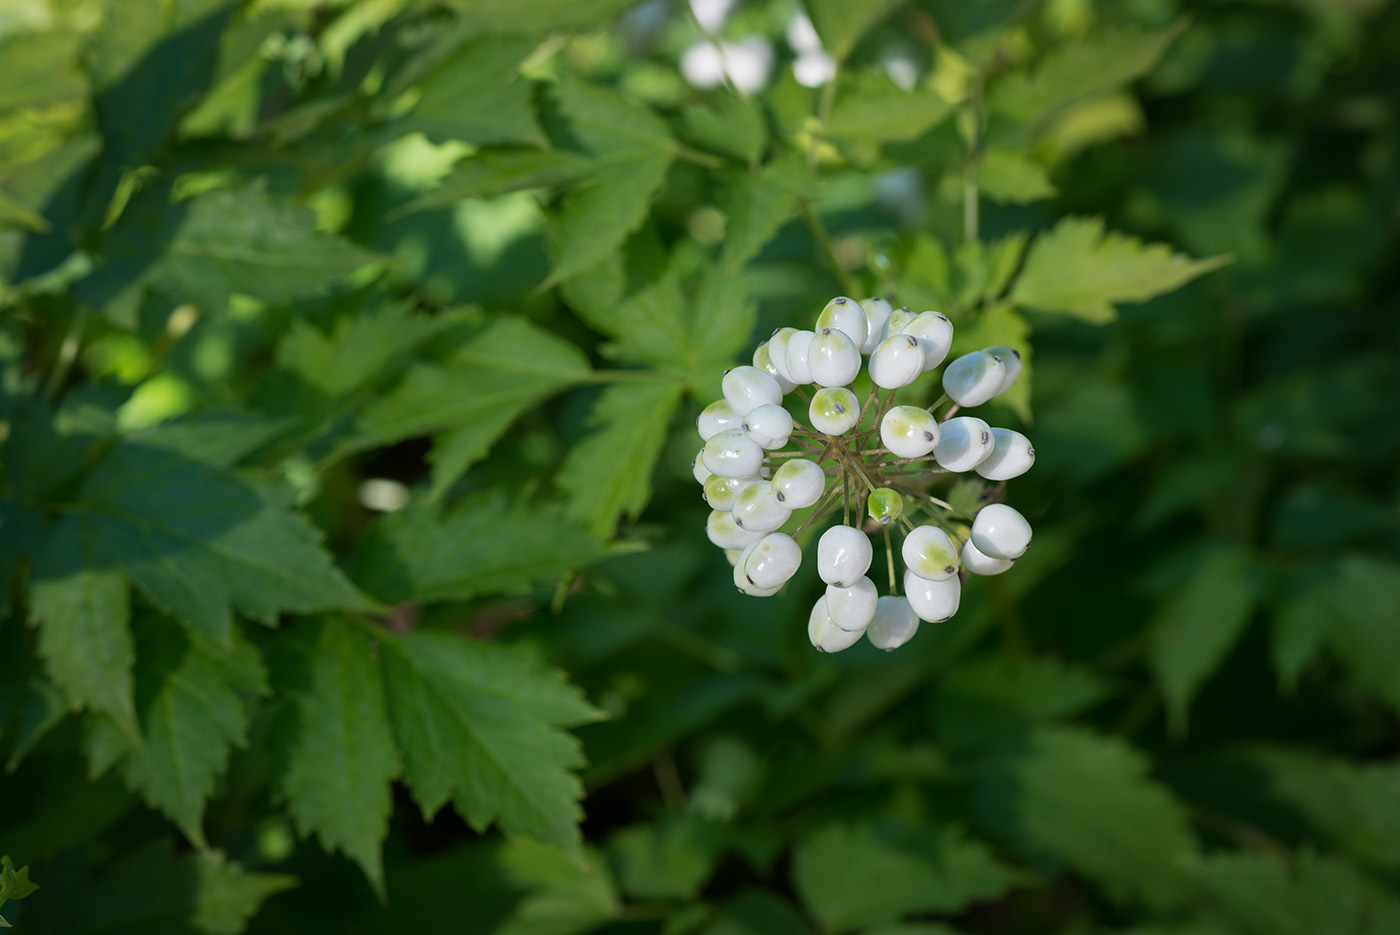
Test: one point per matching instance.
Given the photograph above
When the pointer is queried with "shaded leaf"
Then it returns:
(1012, 177)
(756, 205)
(668, 859)
(1255, 894)
(1078, 270)
(874, 108)
(487, 544)
(985, 698)
(649, 325)
(607, 124)
(841, 24)
(731, 125)
(1365, 601)
(481, 724)
(563, 893)
(493, 172)
(513, 17)
(335, 750)
(608, 473)
(599, 214)
(722, 320)
(477, 96)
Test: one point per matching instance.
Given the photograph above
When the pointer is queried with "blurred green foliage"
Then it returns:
(352, 576)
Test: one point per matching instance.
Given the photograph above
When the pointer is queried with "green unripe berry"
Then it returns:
(885, 505)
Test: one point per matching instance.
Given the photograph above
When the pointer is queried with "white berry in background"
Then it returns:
(847, 316)
(715, 418)
(834, 410)
(930, 553)
(1011, 360)
(798, 369)
(825, 635)
(732, 555)
(843, 555)
(877, 312)
(741, 578)
(909, 431)
(722, 492)
(893, 625)
(1000, 531)
(697, 467)
(896, 362)
(777, 352)
(747, 388)
(731, 453)
(933, 601)
(772, 560)
(764, 361)
(963, 443)
(1012, 455)
(769, 426)
(895, 323)
(833, 358)
(757, 507)
(799, 483)
(851, 608)
(723, 532)
(977, 562)
(973, 378)
(935, 334)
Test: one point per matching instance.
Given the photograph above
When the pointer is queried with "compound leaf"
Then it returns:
(875, 108)
(850, 877)
(1254, 894)
(1012, 177)
(1076, 269)
(336, 753)
(481, 724)
(486, 73)
(600, 213)
(564, 894)
(756, 205)
(514, 17)
(608, 473)
(1365, 602)
(493, 172)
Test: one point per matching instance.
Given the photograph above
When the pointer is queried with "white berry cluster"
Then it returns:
(874, 460)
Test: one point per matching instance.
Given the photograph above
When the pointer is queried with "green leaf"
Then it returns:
(201, 542)
(14, 884)
(481, 724)
(849, 877)
(1083, 800)
(1009, 176)
(150, 890)
(20, 528)
(840, 24)
(189, 697)
(607, 124)
(1002, 324)
(608, 473)
(722, 321)
(670, 859)
(1254, 894)
(757, 205)
(1365, 599)
(732, 125)
(484, 72)
(41, 69)
(218, 439)
(487, 544)
(1198, 625)
(514, 17)
(475, 394)
(1076, 269)
(983, 699)
(493, 172)
(1299, 626)
(81, 607)
(216, 244)
(1072, 71)
(563, 893)
(600, 213)
(874, 108)
(649, 325)
(336, 753)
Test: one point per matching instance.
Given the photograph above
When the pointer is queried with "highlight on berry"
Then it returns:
(810, 446)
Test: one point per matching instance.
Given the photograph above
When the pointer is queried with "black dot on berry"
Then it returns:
(950, 570)
(839, 301)
(726, 373)
(985, 437)
(839, 408)
(913, 341)
(904, 308)
(996, 357)
(749, 578)
(826, 331)
(780, 496)
(928, 436)
(1016, 353)
(1031, 452)
(745, 426)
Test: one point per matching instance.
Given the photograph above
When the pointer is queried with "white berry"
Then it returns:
(977, 562)
(843, 555)
(731, 453)
(715, 418)
(877, 312)
(747, 388)
(764, 361)
(777, 353)
(833, 358)
(723, 532)
(930, 553)
(722, 492)
(909, 431)
(798, 368)
(847, 316)
(769, 426)
(934, 601)
(973, 378)
(757, 508)
(825, 635)
(1012, 456)
(851, 608)
(1011, 360)
(935, 334)
(893, 625)
(697, 467)
(799, 483)
(772, 560)
(834, 410)
(896, 362)
(963, 443)
(1000, 531)
(895, 323)
(741, 577)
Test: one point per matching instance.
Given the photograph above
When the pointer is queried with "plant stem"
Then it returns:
(818, 229)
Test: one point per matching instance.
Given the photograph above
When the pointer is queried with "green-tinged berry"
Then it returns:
(930, 553)
(799, 483)
(885, 505)
(909, 431)
(834, 410)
